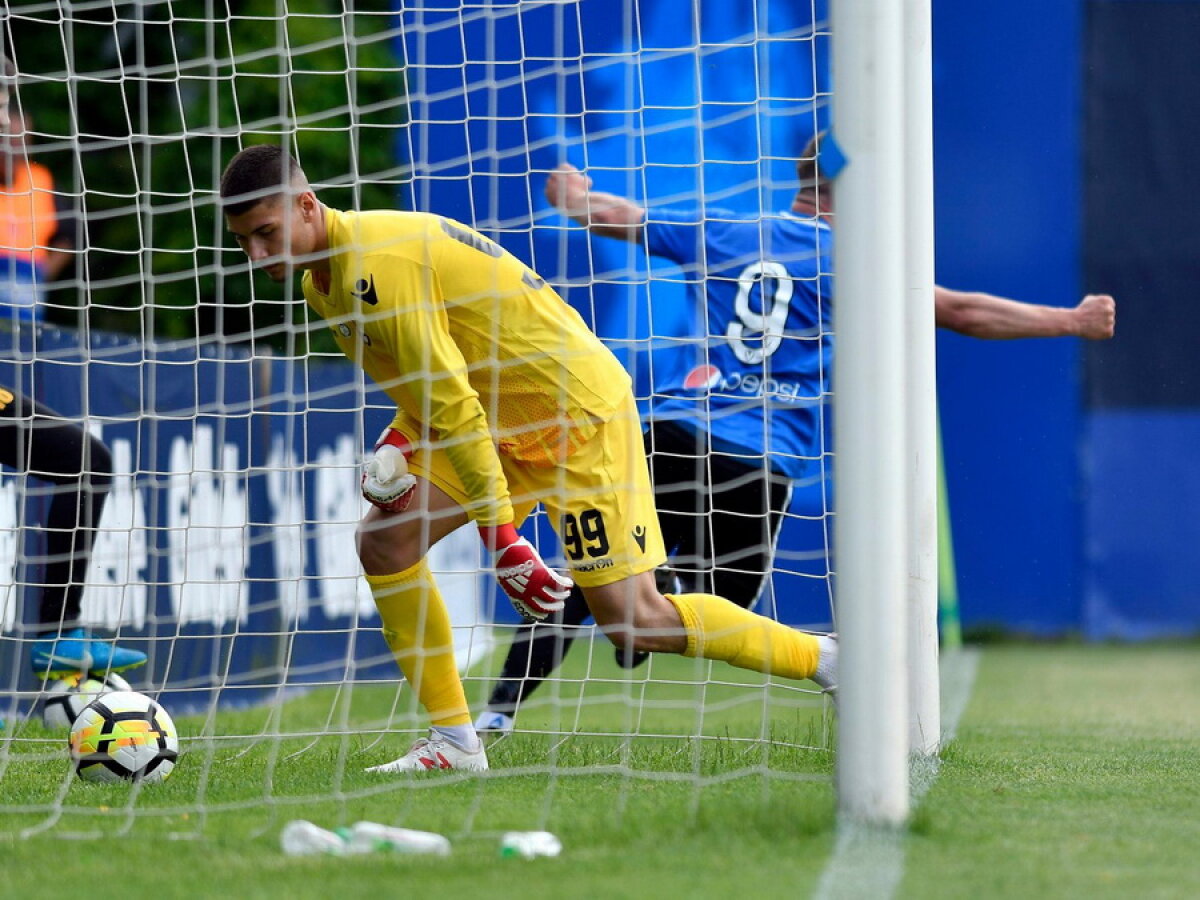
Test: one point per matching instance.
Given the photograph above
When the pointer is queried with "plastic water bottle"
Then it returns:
(371, 837)
(302, 838)
(529, 844)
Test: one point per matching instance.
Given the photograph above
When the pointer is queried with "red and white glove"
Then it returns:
(534, 588)
(386, 481)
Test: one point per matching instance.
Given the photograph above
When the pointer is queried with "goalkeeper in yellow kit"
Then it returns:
(505, 399)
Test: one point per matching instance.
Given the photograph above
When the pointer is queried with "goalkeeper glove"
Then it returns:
(534, 588)
(386, 481)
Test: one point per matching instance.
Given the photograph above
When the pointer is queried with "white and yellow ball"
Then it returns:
(124, 736)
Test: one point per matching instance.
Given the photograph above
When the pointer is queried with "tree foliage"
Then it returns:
(137, 106)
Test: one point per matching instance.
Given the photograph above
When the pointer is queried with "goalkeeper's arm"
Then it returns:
(998, 318)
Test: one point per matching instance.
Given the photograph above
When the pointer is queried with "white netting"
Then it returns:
(236, 428)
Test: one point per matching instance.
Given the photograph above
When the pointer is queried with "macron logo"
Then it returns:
(639, 535)
(364, 290)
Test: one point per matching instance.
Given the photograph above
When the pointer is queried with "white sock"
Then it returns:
(461, 736)
(826, 674)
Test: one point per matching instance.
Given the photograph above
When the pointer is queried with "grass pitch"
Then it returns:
(1074, 774)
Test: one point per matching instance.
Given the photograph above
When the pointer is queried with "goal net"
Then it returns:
(237, 430)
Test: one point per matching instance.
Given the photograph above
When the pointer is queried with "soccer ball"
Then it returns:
(67, 697)
(123, 736)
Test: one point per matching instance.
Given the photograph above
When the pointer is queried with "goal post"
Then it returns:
(870, 378)
(884, 371)
(924, 699)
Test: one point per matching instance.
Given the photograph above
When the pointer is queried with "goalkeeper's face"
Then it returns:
(280, 233)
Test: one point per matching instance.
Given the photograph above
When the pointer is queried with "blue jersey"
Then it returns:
(761, 297)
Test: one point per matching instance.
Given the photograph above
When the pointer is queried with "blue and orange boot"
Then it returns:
(75, 651)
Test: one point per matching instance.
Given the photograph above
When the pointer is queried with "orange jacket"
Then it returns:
(27, 216)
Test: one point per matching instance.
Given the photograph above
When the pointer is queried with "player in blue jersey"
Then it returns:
(733, 426)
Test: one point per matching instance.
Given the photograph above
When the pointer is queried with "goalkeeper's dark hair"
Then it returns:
(256, 173)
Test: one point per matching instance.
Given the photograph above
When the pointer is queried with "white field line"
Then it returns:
(868, 863)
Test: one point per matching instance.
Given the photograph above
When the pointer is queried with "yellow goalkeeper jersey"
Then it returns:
(479, 354)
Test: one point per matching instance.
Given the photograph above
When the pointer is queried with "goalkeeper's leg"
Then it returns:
(417, 627)
(536, 652)
(632, 611)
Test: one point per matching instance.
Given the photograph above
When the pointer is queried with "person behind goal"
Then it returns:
(504, 398)
(39, 443)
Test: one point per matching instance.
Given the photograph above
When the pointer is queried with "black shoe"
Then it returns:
(630, 659)
(666, 580)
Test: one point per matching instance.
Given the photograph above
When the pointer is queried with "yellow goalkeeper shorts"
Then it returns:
(599, 500)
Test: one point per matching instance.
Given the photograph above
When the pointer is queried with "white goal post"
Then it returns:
(884, 371)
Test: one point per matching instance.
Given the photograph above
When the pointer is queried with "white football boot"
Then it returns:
(433, 753)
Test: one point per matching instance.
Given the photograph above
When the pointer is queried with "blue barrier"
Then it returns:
(1142, 572)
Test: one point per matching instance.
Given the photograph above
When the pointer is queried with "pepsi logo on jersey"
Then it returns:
(710, 378)
(702, 378)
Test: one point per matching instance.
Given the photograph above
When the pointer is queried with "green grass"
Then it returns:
(674, 807)
(1074, 775)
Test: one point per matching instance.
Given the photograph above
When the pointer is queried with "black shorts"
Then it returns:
(720, 514)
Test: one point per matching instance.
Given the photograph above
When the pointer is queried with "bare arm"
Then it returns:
(608, 215)
(987, 316)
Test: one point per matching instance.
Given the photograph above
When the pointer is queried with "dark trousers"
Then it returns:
(40, 444)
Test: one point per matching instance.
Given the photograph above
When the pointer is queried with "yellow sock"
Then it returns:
(719, 629)
(417, 628)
